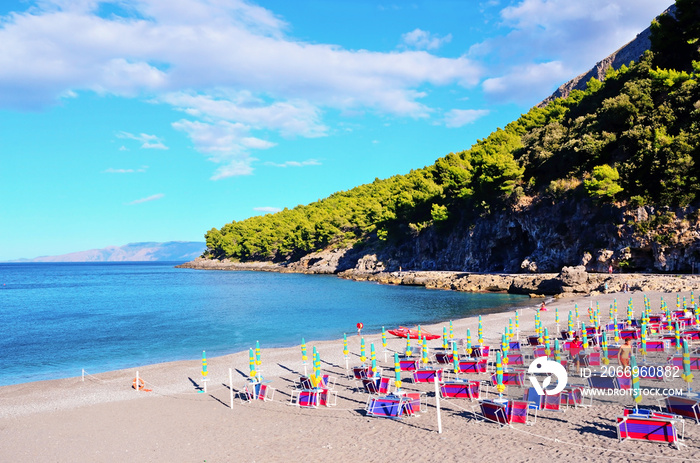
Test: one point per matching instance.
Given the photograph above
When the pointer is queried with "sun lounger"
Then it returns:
(390, 406)
(461, 389)
(473, 366)
(427, 375)
(408, 364)
(305, 398)
(688, 407)
(505, 412)
(516, 359)
(647, 428)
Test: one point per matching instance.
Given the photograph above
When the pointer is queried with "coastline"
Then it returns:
(570, 282)
(104, 419)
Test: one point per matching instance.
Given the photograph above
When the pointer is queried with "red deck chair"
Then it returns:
(684, 406)
(647, 428)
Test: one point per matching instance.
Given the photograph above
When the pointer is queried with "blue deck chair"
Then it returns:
(461, 389)
(647, 428)
(427, 375)
(473, 366)
(408, 364)
(603, 382)
(390, 406)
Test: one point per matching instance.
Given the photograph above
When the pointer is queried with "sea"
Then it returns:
(57, 319)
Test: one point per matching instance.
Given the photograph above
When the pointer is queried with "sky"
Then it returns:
(157, 120)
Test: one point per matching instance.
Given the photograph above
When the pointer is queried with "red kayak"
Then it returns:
(403, 332)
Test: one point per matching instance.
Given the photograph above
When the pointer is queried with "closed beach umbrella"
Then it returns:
(204, 364)
(677, 333)
(469, 342)
(499, 374)
(692, 299)
(644, 340)
(617, 332)
(451, 332)
(687, 375)
(615, 307)
(557, 351)
(604, 348)
(345, 345)
(372, 353)
(251, 360)
(303, 351)
(374, 367)
(257, 353)
(547, 351)
(697, 315)
(408, 346)
(510, 329)
(504, 348)
(424, 351)
(517, 322)
(636, 392)
(480, 333)
(455, 358)
(397, 372)
(420, 332)
(576, 312)
(571, 325)
(611, 312)
(384, 340)
(444, 337)
(363, 353)
(584, 335)
(678, 301)
(317, 363)
(556, 316)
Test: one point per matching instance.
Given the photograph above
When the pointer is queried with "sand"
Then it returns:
(103, 419)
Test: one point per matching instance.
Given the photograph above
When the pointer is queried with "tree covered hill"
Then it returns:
(621, 156)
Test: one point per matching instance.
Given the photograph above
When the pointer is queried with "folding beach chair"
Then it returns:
(390, 406)
(516, 359)
(408, 364)
(256, 391)
(443, 358)
(305, 398)
(533, 340)
(496, 412)
(304, 382)
(684, 406)
(594, 359)
(534, 400)
(647, 428)
(677, 361)
(371, 386)
(427, 375)
(328, 382)
(603, 382)
(573, 395)
(553, 402)
(566, 336)
(481, 351)
(511, 378)
(519, 412)
(359, 373)
(464, 389)
(473, 366)
(656, 345)
(328, 397)
(514, 346)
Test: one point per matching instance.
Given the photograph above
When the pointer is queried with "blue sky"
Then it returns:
(156, 120)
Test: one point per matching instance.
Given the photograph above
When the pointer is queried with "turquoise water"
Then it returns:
(58, 318)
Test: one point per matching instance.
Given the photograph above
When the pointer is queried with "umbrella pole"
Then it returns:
(437, 403)
(305, 369)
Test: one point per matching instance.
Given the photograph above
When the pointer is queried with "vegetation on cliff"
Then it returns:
(633, 138)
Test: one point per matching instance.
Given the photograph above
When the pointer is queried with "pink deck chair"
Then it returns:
(684, 406)
(647, 428)
(516, 359)
(461, 390)
(408, 364)
(427, 375)
(305, 398)
(257, 391)
(473, 366)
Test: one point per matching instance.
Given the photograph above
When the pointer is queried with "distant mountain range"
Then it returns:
(132, 252)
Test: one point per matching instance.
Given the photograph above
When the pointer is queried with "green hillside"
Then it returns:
(632, 139)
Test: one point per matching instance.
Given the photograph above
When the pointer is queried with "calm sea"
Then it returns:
(57, 318)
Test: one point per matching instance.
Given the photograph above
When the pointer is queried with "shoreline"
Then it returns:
(104, 419)
(570, 282)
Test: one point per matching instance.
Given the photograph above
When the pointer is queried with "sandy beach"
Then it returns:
(103, 419)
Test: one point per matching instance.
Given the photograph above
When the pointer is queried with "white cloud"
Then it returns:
(147, 141)
(147, 199)
(308, 162)
(551, 41)
(459, 117)
(424, 40)
(267, 209)
(521, 83)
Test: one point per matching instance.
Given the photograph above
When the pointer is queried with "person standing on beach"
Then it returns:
(623, 355)
(543, 308)
(576, 352)
(610, 269)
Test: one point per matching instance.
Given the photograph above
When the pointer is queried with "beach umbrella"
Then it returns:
(372, 353)
(504, 348)
(697, 315)
(576, 312)
(687, 376)
(611, 312)
(557, 351)
(547, 351)
(517, 323)
(469, 342)
(678, 301)
(408, 346)
(677, 333)
(397, 372)
(363, 353)
(204, 365)
(685, 304)
(455, 358)
(636, 392)
(257, 353)
(604, 348)
(424, 351)
(251, 360)
(303, 350)
(444, 337)
(384, 339)
(345, 346)
(499, 374)
(591, 314)
(617, 332)
(643, 349)
(451, 332)
(571, 325)
(481, 333)
(316, 377)
(420, 333)
(510, 328)
(584, 335)
(692, 299)
(556, 317)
